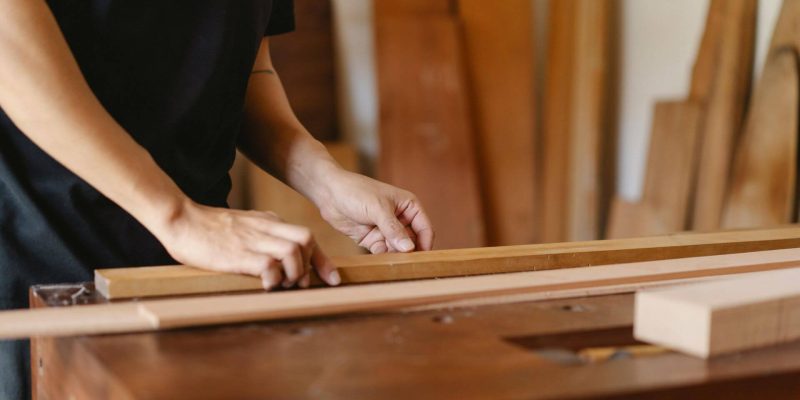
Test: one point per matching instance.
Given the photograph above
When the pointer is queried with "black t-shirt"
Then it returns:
(173, 74)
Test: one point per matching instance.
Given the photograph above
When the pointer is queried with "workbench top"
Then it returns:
(501, 351)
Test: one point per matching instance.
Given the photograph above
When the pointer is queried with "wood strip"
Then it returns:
(175, 280)
(705, 65)
(394, 8)
(197, 311)
(715, 318)
(725, 111)
(427, 143)
(588, 118)
(556, 121)
(763, 187)
(500, 47)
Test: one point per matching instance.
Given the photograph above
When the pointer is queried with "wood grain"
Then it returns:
(174, 280)
(197, 311)
(500, 47)
(714, 318)
(724, 112)
(426, 133)
(763, 189)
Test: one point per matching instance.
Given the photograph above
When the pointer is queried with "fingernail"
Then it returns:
(334, 278)
(286, 284)
(405, 245)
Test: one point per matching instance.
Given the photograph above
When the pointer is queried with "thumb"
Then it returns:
(394, 232)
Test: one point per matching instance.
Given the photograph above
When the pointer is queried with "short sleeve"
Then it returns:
(281, 19)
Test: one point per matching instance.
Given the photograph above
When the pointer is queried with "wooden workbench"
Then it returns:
(523, 350)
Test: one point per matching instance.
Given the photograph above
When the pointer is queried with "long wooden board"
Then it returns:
(426, 134)
(763, 186)
(500, 52)
(716, 318)
(175, 280)
(724, 112)
(198, 311)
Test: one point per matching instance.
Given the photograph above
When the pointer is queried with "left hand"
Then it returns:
(377, 216)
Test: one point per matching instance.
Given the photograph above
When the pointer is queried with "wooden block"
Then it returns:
(556, 121)
(716, 318)
(426, 135)
(269, 194)
(589, 124)
(500, 47)
(175, 280)
(196, 311)
(763, 185)
(305, 61)
(724, 112)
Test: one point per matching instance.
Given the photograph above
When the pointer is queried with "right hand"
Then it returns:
(246, 242)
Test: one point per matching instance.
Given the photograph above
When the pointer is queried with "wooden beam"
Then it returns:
(197, 311)
(175, 280)
(716, 318)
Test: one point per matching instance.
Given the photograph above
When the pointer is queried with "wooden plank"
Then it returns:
(716, 318)
(394, 8)
(664, 207)
(197, 311)
(269, 194)
(556, 121)
(426, 135)
(724, 112)
(305, 61)
(589, 118)
(705, 65)
(174, 280)
(500, 47)
(763, 185)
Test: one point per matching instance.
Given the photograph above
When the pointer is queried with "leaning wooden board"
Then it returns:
(173, 280)
(714, 318)
(426, 134)
(763, 183)
(196, 311)
(501, 62)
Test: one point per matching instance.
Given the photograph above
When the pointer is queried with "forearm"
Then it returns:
(274, 139)
(43, 91)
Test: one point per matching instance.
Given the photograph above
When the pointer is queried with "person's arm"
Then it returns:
(44, 93)
(377, 216)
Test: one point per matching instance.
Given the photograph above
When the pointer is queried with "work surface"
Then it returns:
(522, 350)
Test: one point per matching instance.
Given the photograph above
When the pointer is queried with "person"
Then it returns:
(119, 124)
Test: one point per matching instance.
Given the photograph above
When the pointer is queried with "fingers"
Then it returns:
(288, 253)
(394, 231)
(421, 225)
(325, 268)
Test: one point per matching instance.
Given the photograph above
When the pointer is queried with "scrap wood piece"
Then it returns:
(197, 311)
(426, 134)
(500, 53)
(724, 112)
(714, 318)
(705, 65)
(763, 185)
(176, 280)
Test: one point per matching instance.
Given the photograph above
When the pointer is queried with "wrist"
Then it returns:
(317, 174)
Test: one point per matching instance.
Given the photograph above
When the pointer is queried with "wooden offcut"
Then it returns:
(176, 280)
(714, 318)
(197, 311)
(426, 133)
(724, 110)
(763, 186)
(500, 52)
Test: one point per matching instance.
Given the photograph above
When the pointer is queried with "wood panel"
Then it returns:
(714, 318)
(389, 8)
(426, 134)
(197, 311)
(266, 193)
(724, 111)
(705, 65)
(305, 61)
(161, 281)
(500, 50)
(763, 188)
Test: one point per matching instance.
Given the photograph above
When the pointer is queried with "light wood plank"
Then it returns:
(763, 188)
(426, 134)
(500, 47)
(175, 280)
(716, 318)
(197, 311)
(724, 112)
